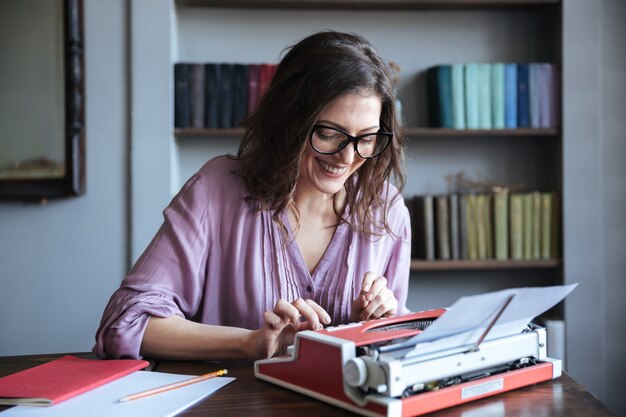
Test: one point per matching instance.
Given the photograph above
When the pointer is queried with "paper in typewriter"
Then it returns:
(466, 321)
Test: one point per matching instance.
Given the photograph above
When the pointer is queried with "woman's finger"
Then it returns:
(387, 304)
(377, 286)
(287, 312)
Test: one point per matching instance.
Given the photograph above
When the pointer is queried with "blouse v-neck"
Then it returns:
(297, 259)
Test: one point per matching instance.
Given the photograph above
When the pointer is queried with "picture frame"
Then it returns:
(40, 177)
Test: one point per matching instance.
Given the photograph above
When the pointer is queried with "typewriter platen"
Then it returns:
(356, 367)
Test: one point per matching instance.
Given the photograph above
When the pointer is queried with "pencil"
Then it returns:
(175, 385)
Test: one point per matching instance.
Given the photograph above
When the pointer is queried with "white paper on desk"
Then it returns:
(464, 323)
(104, 400)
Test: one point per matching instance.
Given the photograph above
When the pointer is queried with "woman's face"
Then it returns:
(355, 114)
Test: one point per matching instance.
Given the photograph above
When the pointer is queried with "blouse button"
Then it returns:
(309, 288)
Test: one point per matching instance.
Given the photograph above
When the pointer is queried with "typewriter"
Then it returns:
(384, 368)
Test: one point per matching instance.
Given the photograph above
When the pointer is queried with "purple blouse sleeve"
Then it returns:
(168, 278)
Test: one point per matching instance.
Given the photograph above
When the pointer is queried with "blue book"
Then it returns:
(213, 81)
(458, 97)
(523, 99)
(439, 86)
(182, 100)
(497, 95)
(225, 97)
(534, 94)
(471, 96)
(545, 95)
(510, 95)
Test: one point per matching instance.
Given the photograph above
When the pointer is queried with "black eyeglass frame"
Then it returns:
(351, 139)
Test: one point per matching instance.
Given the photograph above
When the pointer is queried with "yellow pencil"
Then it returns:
(174, 385)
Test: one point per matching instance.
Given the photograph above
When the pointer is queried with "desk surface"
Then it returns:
(249, 396)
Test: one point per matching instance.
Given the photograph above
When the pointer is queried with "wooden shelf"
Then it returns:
(370, 4)
(412, 132)
(421, 265)
(424, 132)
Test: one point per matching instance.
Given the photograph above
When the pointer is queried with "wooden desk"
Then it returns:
(248, 396)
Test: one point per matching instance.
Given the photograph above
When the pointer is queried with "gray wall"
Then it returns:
(59, 263)
(595, 195)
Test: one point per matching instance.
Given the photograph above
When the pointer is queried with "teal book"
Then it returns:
(458, 97)
(497, 95)
(471, 96)
(510, 95)
(439, 90)
(484, 96)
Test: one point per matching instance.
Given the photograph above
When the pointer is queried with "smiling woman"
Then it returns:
(41, 106)
(280, 237)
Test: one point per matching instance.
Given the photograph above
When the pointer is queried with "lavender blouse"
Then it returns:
(216, 260)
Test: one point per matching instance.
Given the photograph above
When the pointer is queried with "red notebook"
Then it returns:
(63, 378)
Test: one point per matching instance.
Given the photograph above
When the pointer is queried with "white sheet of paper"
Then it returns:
(104, 401)
(463, 324)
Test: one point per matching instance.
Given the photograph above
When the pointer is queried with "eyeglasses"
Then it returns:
(329, 140)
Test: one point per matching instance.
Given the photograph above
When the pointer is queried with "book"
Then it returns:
(104, 401)
(481, 217)
(484, 96)
(455, 241)
(63, 378)
(442, 232)
(266, 72)
(488, 220)
(534, 94)
(240, 93)
(197, 94)
(498, 96)
(536, 196)
(212, 94)
(546, 225)
(439, 90)
(517, 226)
(471, 96)
(253, 87)
(528, 226)
(510, 95)
(463, 244)
(425, 243)
(458, 97)
(501, 220)
(523, 105)
(225, 97)
(182, 103)
(472, 234)
(555, 243)
(545, 95)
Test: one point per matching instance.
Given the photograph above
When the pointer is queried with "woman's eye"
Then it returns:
(328, 134)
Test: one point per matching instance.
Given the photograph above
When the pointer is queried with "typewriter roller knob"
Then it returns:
(355, 372)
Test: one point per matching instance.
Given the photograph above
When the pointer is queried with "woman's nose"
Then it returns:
(347, 154)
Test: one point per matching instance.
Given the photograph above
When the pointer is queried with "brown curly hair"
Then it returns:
(314, 72)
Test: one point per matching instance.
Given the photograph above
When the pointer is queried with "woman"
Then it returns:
(301, 229)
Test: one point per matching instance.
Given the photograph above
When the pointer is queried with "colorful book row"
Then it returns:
(493, 95)
(498, 225)
(218, 95)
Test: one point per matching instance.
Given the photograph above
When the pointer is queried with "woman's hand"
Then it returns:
(374, 301)
(282, 323)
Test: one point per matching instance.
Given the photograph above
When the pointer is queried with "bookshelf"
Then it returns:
(463, 31)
